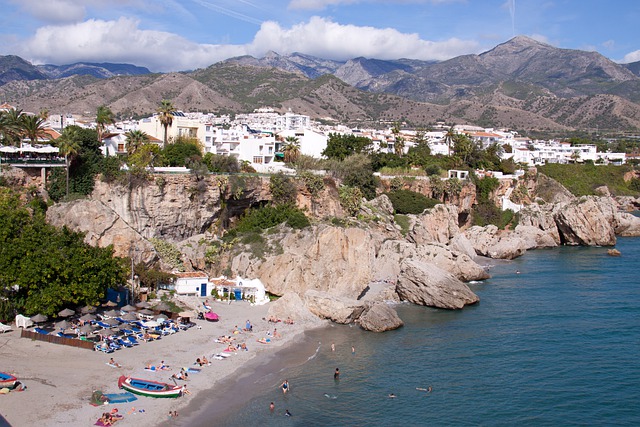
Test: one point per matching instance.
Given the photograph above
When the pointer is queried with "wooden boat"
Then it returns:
(7, 380)
(149, 388)
(211, 316)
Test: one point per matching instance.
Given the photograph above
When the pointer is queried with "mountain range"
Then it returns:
(522, 84)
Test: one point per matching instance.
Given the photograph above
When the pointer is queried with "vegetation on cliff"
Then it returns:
(582, 180)
(44, 269)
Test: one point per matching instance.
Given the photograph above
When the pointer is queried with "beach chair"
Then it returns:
(131, 339)
(124, 343)
(61, 335)
(41, 331)
(103, 325)
(114, 346)
(127, 331)
(98, 347)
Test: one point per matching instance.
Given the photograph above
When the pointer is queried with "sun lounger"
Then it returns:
(41, 331)
(104, 325)
(114, 346)
(131, 339)
(99, 347)
(5, 328)
(61, 335)
(124, 343)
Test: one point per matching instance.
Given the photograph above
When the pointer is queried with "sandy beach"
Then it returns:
(60, 379)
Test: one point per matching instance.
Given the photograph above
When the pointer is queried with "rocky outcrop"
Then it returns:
(542, 218)
(293, 306)
(628, 225)
(337, 309)
(379, 317)
(439, 225)
(102, 227)
(587, 221)
(491, 242)
(425, 284)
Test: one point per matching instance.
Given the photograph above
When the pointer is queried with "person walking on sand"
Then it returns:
(285, 386)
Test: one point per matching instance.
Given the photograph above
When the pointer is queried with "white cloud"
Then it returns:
(323, 4)
(123, 41)
(631, 57)
(54, 11)
(327, 39)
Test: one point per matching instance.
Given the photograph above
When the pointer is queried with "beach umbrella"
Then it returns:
(163, 306)
(128, 308)
(87, 309)
(161, 318)
(143, 304)
(111, 313)
(111, 322)
(130, 316)
(110, 304)
(66, 312)
(86, 329)
(88, 317)
(39, 318)
(186, 314)
(105, 332)
(151, 324)
(63, 324)
(146, 311)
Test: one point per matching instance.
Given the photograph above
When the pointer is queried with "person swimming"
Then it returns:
(392, 396)
(336, 374)
(287, 413)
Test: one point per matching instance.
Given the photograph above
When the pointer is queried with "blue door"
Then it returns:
(203, 290)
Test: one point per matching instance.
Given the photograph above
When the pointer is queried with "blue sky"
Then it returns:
(175, 35)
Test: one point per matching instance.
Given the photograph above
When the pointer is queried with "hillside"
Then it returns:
(521, 84)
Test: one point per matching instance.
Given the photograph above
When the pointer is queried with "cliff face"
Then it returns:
(338, 273)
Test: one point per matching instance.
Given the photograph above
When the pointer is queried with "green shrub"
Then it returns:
(283, 190)
(410, 202)
(270, 216)
(403, 222)
(582, 180)
(486, 213)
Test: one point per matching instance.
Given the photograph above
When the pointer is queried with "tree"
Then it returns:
(11, 126)
(44, 269)
(33, 128)
(176, 154)
(135, 139)
(104, 118)
(449, 138)
(342, 146)
(398, 146)
(165, 115)
(291, 149)
(69, 145)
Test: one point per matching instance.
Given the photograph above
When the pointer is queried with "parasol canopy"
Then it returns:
(143, 304)
(39, 318)
(130, 316)
(66, 312)
(111, 313)
(88, 317)
(63, 324)
(87, 309)
(163, 306)
(146, 311)
(111, 321)
(128, 308)
(151, 324)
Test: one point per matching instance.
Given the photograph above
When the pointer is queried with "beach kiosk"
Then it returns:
(192, 283)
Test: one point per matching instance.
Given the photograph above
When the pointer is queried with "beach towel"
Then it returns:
(191, 370)
(121, 397)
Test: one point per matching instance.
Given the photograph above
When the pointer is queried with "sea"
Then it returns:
(554, 341)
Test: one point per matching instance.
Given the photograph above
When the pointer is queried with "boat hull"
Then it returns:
(149, 388)
(7, 380)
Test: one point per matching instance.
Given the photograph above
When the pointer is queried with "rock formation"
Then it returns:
(379, 317)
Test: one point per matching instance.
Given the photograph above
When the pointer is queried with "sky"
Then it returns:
(179, 35)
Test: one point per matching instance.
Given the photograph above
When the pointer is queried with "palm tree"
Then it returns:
(135, 140)
(33, 128)
(450, 137)
(11, 126)
(165, 112)
(104, 117)
(291, 149)
(69, 145)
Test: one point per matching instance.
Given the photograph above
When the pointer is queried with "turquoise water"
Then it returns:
(556, 344)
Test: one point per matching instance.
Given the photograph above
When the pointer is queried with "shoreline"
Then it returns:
(61, 378)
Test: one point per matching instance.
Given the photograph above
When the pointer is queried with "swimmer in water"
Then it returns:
(392, 396)
(272, 407)
(287, 413)
(336, 374)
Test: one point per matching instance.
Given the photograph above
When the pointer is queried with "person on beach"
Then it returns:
(113, 363)
(248, 326)
(336, 374)
(272, 407)
(276, 334)
(185, 390)
(333, 347)
(285, 386)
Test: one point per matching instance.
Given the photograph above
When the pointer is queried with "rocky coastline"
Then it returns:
(352, 272)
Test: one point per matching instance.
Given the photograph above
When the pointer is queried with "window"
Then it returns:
(257, 159)
(121, 148)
